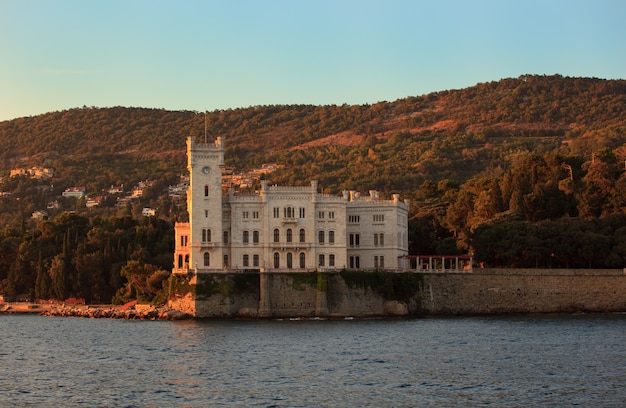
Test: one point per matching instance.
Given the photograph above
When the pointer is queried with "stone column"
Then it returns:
(321, 299)
(265, 305)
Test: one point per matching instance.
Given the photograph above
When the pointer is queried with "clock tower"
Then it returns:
(204, 205)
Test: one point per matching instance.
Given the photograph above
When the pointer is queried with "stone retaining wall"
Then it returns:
(484, 291)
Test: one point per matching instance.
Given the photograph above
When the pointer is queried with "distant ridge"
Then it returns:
(530, 112)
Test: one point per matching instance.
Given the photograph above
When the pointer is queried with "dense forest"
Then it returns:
(521, 172)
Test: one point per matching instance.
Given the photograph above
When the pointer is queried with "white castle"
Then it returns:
(283, 229)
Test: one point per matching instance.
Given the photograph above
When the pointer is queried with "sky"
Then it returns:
(203, 55)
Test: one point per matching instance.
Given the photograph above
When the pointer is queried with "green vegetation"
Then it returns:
(179, 286)
(391, 286)
(526, 171)
(227, 285)
(301, 281)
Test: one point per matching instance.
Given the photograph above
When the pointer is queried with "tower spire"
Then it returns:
(205, 127)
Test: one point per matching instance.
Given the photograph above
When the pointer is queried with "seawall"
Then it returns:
(371, 294)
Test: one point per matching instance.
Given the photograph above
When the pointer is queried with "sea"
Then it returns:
(498, 361)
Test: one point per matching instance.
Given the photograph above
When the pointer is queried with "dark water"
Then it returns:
(472, 361)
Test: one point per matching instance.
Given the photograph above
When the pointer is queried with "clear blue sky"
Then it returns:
(205, 55)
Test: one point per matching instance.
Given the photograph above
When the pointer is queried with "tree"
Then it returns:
(59, 275)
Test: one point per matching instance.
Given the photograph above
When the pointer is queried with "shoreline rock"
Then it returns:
(113, 312)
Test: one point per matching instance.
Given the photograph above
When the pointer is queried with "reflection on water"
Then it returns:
(498, 361)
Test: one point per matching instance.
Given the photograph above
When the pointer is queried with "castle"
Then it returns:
(283, 229)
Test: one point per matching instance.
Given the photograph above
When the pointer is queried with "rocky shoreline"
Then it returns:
(97, 312)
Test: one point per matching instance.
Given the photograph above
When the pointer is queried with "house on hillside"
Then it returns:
(75, 192)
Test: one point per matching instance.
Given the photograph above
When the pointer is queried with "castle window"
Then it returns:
(225, 261)
(375, 262)
(355, 262)
(321, 260)
(302, 235)
(301, 212)
(203, 235)
(382, 262)
(245, 237)
(276, 260)
(208, 235)
(379, 218)
(320, 215)
(354, 240)
(225, 237)
(180, 261)
(331, 214)
(206, 191)
(246, 260)
(245, 214)
(289, 235)
(320, 237)
(289, 260)
(331, 260)
(302, 260)
(381, 239)
(331, 237)
(276, 235)
(375, 239)
(183, 240)
(276, 212)
(255, 260)
(289, 212)
(207, 259)
(255, 214)
(255, 237)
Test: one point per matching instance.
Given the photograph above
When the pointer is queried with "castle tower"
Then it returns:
(207, 239)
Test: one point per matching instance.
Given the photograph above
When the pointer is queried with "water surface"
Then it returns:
(477, 361)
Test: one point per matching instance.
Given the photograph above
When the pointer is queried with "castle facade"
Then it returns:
(281, 228)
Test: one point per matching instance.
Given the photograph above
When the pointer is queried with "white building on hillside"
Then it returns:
(283, 228)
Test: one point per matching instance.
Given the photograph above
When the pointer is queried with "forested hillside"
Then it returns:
(525, 171)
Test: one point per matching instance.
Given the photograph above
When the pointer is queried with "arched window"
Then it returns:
(246, 260)
(302, 235)
(207, 259)
(186, 261)
(382, 239)
(255, 237)
(321, 260)
(203, 235)
(245, 237)
(331, 237)
(180, 261)
(206, 191)
(302, 260)
(289, 260)
(331, 260)
(276, 235)
(289, 235)
(276, 260)
(255, 260)
(320, 236)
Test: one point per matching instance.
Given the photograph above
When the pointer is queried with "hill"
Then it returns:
(389, 146)
(526, 171)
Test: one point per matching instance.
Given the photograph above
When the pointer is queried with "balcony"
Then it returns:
(289, 220)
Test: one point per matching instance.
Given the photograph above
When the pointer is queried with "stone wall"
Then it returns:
(367, 294)
(489, 291)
